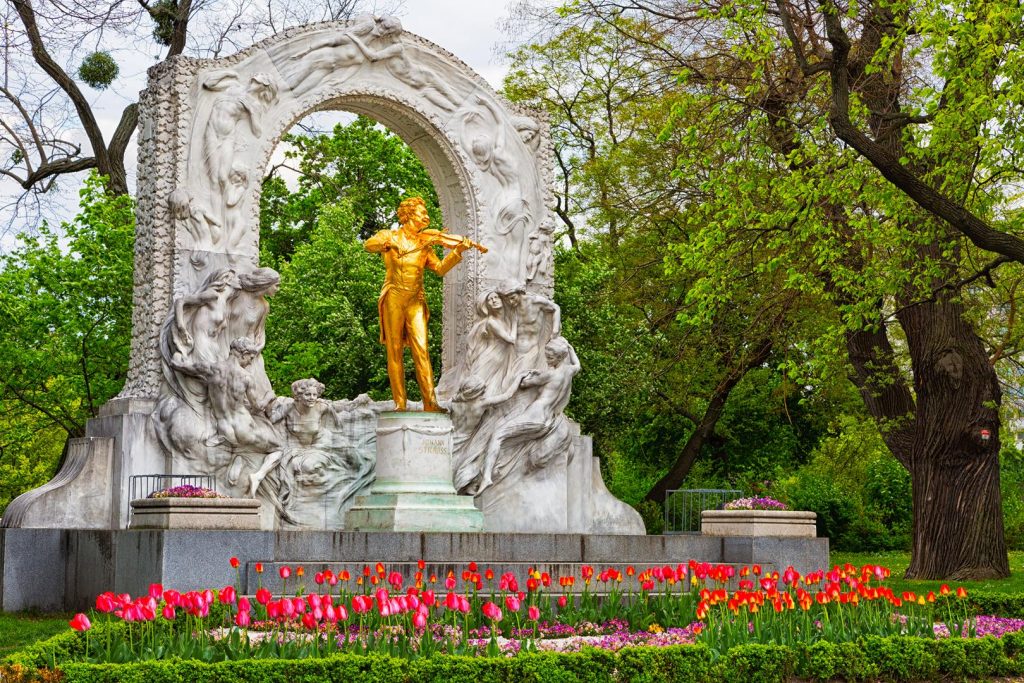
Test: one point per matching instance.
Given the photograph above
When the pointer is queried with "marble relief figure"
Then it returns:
(306, 457)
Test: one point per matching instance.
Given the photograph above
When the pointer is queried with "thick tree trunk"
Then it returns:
(954, 466)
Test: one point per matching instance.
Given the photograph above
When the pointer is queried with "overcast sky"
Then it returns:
(468, 29)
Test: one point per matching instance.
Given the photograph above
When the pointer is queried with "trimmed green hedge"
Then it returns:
(873, 658)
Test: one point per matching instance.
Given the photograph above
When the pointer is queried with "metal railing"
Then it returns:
(141, 485)
(683, 507)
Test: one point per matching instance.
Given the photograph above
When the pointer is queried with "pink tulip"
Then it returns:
(168, 613)
(287, 608)
(155, 590)
(299, 604)
(263, 596)
(172, 597)
(80, 622)
(243, 619)
(244, 606)
(342, 613)
(395, 579)
(428, 598)
(533, 612)
(106, 603)
(512, 603)
(464, 605)
(449, 583)
(419, 620)
(273, 610)
(562, 601)
(285, 572)
(331, 614)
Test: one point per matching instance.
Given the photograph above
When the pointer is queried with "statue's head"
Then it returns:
(413, 212)
(262, 85)
(556, 350)
(511, 291)
(245, 350)
(260, 281)
(307, 391)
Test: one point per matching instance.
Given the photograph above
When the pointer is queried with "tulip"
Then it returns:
(106, 602)
(244, 606)
(309, 621)
(227, 596)
(512, 603)
(961, 592)
(168, 613)
(464, 606)
(533, 612)
(155, 590)
(300, 572)
(319, 578)
(562, 601)
(285, 572)
(243, 619)
(395, 579)
(234, 562)
(80, 622)
(264, 596)
(259, 567)
(419, 620)
(491, 611)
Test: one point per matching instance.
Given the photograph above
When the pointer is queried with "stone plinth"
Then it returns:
(413, 490)
(762, 523)
(195, 513)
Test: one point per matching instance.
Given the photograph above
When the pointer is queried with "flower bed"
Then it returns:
(755, 504)
(186, 491)
(478, 613)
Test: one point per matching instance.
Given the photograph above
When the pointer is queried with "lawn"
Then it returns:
(20, 629)
(898, 561)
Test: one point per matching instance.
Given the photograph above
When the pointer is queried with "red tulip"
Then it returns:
(562, 601)
(155, 590)
(259, 567)
(308, 621)
(263, 596)
(227, 596)
(533, 612)
(491, 611)
(234, 562)
(243, 619)
(319, 578)
(428, 598)
(395, 579)
(168, 613)
(244, 606)
(106, 603)
(80, 622)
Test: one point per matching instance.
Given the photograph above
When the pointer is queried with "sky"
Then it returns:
(471, 30)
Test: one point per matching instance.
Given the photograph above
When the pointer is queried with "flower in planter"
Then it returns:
(755, 504)
(186, 491)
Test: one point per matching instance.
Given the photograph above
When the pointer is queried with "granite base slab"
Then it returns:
(64, 569)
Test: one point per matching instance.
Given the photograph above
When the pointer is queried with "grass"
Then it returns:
(897, 561)
(20, 629)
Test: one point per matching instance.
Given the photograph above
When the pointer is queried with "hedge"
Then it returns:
(871, 658)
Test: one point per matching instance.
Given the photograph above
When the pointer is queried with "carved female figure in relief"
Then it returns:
(397, 60)
(200, 319)
(491, 346)
(229, 110)
(248, 316)
(332, 56)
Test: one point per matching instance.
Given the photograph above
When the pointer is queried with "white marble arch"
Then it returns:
(208, 129)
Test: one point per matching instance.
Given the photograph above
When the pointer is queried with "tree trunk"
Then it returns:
(677, 473)
(954, 466)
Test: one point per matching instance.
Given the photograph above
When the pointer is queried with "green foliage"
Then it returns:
(872, 658)
(163, 13)
(1011, 482)
(653, 516)
(65, 331)
(368, 167)
(98, 70)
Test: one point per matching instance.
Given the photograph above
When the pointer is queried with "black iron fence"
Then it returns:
(141, 485)
(683, 507)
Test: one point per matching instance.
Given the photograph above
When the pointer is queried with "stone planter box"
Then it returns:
(195, 513)
(789, 523)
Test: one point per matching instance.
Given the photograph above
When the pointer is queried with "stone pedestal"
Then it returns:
(195, 513)
(413, 490)
(761, 523)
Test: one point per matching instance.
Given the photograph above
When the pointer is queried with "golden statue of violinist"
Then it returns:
(402, 304)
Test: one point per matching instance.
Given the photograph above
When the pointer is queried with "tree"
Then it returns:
(45, 41)
(361, 163)
(770, 195)
(65, 332)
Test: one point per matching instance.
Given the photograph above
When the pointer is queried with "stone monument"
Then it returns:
(198, 401)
